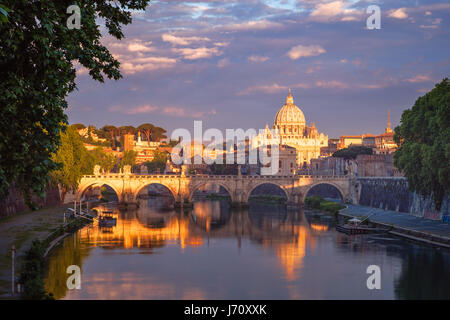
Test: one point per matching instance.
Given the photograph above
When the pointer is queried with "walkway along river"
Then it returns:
(266, 252)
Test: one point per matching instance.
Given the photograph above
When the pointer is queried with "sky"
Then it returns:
(231, 64)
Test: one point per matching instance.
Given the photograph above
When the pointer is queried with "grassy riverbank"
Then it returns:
(20, 230)
(319, 203)
(32, 269)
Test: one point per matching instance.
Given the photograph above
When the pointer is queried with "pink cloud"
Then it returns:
(272, 88)
(256, 58)
(332, 84)
(183, 41)
(198, 53)
(169, 111)
(419, 78)
(305, 51)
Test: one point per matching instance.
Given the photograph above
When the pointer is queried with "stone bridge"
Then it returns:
(182, 187)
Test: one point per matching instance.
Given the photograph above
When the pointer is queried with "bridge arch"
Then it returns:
(83, 188)
(196, 186)
(254, 186)
(140, 188)
(342, 193)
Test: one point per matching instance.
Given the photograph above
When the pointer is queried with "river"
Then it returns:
(265, 252)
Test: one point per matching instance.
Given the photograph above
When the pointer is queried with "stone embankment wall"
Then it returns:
(391, 193)
(14, 203)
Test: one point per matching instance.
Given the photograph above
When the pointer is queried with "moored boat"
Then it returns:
(354, 226)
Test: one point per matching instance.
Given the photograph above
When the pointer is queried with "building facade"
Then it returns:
(290, 129)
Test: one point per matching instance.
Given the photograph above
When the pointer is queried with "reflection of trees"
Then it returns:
(412, 284)
(210, 215)
(72, 253)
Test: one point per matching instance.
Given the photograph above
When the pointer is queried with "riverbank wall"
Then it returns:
(14, 202)
(392, 193)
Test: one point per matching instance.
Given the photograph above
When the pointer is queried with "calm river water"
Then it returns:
(267, 252)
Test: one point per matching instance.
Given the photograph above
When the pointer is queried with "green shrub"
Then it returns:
(317, 202)
(32, 273)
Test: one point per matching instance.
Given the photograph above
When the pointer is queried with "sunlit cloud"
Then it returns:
(252, 25)
(398, 13)
(134, 65)
(198, 53)
(182, 41)
(256, 58)
(334, 10)
(305, 51)
(419, 78)
(139, 46)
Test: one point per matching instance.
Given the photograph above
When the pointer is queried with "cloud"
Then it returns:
(398, 13)
(132, 45)
(223, 63)
(256, 58)
(334, 10)
(305, 51)
(183, 41)
(139, 46)
(272, 88)
(168, 111)
(419, 78)
(133, 65)
(198, 53)
(333, 84)
(180, 112)
(434, 24)
(252, 25)
(221, 44)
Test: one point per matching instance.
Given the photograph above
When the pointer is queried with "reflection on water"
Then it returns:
(213, 252)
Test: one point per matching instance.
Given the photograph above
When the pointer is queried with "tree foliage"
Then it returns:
(158, 164)
(72, 160)
(129, 158)
(352, 152)
(423, 137)
(37, 67)
(151, 132)
(106, 161)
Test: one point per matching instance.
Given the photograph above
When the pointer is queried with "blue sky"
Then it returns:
(231, 64)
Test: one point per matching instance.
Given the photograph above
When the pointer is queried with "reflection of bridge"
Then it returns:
(128, 186)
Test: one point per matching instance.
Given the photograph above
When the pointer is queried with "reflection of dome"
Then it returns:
(289, 114)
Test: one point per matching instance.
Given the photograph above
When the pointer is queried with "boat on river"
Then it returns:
(354, 226)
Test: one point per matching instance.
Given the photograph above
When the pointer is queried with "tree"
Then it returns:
(78, 126)
(37, 57)
(158, 162)
(106, 161)
(129, 158)
(110, 133)
(423, 137)
(71, 158)
(158, 134)
(147, 129)
(352, 152)
(126, 129)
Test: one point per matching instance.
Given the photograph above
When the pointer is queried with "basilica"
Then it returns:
(290, 129)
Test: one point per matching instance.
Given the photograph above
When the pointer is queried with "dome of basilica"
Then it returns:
(289, 114)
